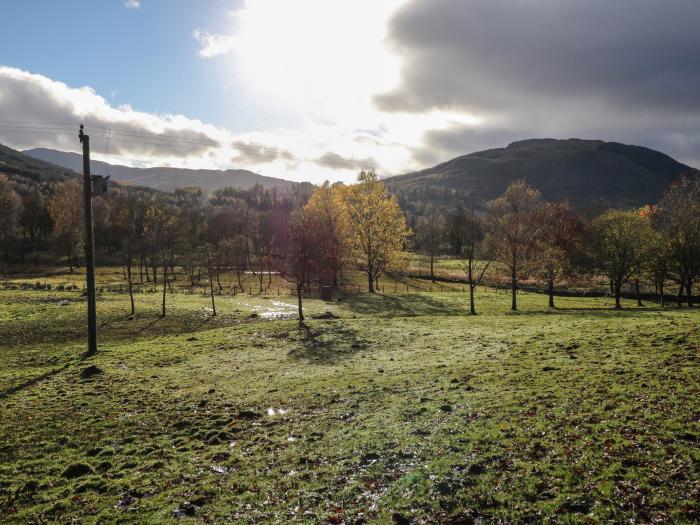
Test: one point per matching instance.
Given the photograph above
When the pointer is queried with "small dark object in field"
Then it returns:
(89, 372)
(445, 488)
(446, 408)
(211, 391)
(325, 315)
(400, 519)
(548, 368)
(370, 457)
(253, 314)
(381, 370)
(191, 339)
(202, 403)
(249, 414)
(185, 509)
(200, 501)
(77, 470)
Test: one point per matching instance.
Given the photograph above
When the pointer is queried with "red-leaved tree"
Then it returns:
(302, 252)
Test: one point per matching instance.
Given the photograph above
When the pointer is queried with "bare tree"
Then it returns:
(678, 220)
(430, 236)
(477, 260)
(562, 232)
(515, 230)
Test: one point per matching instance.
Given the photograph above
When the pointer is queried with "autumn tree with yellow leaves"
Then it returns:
(327, 208)
(378, 228)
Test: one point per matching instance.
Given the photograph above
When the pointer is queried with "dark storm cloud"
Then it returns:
(625, 70)
(487, 54)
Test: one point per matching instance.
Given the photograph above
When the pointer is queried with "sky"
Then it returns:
(320, 89)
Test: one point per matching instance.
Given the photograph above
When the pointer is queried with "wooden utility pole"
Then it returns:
(89, 245)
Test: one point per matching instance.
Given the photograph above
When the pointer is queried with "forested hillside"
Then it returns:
(589, 173)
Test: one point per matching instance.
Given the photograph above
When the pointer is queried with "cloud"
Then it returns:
(489, 55)
(132, 4)
(256, 153)
(36, 111)
(211, 45)
(28, 98)
(335, 161)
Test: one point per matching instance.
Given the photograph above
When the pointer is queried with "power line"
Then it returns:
(163, 140)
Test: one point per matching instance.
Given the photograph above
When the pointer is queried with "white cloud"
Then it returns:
(314, 152)
(132, 4)
(213, 45)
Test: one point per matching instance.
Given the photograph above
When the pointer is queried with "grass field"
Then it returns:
(394, 409)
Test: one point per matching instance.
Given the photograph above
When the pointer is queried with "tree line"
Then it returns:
(520, 236)
(310, 238)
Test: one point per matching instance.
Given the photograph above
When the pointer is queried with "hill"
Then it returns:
(28, 171)
(163, 178)
(590, 173)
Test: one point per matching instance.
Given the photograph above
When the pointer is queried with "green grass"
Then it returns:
(399, 407)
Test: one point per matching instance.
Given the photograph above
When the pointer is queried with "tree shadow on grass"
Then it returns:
(31, 382)
(325, 343)
(404, 305)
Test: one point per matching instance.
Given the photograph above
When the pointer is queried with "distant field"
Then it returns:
(397, 409)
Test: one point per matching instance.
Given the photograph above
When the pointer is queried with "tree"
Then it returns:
(10, 206)
(514, 229)
(327, 205)
(678, 219)
(128, 221)
(303, 246)
(455, 225)
(160, 229)
(474, 252)
(562, 231)
(429, 236)
(621, 240)
(34, 221)
(228, 230)
(377, 225)
(66, 210)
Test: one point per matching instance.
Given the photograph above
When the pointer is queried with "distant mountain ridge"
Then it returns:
(587, 172)
(162, 178)
(28, 170)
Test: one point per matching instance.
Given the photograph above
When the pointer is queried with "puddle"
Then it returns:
(278, 310)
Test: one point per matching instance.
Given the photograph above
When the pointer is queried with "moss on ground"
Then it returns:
(396, 409)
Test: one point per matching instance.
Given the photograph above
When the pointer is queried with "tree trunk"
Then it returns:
(240, 284)
(681, 287)
(299, 300)
(618, 294)
(513, 290)
(470, 279)
(432, 271)
(661, 293)
(211, 284)
(550, 289)
(689, 291)
(131, 291)
(165, 286)
(637, 293)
